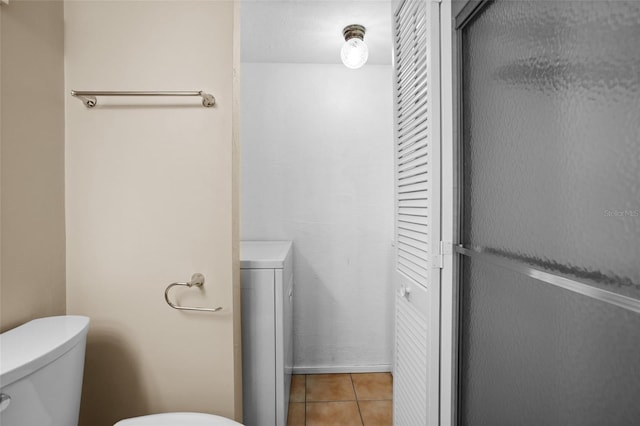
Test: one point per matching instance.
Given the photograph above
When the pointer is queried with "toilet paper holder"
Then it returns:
(197, 280)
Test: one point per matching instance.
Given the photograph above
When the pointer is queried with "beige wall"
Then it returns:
(151, 199)
(32, 261)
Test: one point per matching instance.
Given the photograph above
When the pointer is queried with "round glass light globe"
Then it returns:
(354, 53)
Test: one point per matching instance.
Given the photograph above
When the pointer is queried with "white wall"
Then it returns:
(317, 168)
(151, 200)
(32, 261)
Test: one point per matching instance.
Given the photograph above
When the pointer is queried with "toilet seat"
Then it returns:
(178, 419)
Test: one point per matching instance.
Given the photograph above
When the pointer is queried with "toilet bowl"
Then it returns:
(181, 419)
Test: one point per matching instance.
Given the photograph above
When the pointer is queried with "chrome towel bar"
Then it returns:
(88, 97)
(197, 280)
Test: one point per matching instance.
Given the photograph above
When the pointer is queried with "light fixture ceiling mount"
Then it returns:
(354, 52)
(351, 31)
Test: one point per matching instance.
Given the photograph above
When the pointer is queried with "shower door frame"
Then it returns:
(454, 15)
(466, 10)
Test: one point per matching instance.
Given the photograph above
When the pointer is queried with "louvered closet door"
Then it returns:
(416, 89)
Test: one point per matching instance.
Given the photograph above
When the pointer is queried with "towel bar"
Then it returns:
(88, 97)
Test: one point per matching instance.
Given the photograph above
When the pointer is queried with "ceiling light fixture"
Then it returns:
(354, 52)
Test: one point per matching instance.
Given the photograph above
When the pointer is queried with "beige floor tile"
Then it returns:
(297, 388)
(373, 386)
(337, 413)
(329, 387)
(296, 414)
(376, 413)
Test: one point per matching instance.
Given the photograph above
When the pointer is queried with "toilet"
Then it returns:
(41, 366)
(178, 419)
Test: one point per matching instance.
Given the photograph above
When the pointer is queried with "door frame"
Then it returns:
(453, 14)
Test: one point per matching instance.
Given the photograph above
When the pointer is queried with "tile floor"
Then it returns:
(363, 399)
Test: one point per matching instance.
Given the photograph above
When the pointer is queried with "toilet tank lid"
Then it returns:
(36, 343)
(182, 419)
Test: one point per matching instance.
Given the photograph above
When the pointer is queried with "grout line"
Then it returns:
(357, 400)
(376, 400)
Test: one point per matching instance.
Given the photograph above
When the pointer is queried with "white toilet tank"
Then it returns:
(41, 365)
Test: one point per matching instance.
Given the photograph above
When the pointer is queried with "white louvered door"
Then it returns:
(416, 63)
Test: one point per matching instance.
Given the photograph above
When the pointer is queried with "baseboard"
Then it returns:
(333, 369)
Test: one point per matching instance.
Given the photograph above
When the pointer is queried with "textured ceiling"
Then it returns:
(310, 31)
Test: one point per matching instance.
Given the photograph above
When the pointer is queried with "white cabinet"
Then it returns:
(267, 331)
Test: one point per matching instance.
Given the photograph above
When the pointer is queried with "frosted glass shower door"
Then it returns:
(549, 326)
